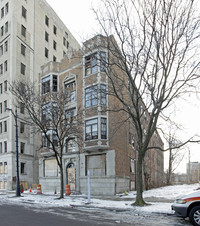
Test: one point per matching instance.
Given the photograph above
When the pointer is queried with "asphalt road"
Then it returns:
(31, 215)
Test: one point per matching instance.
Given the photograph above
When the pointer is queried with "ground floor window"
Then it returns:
(50, 168)
(96, 164)
(5, 184)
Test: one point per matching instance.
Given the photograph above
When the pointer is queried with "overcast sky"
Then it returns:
(77, 16)
(80, 20)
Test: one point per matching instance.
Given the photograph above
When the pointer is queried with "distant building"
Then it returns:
(193, 172)
(31, 34)
(108, 149)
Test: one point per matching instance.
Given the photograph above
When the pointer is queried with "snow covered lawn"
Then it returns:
(120, 201)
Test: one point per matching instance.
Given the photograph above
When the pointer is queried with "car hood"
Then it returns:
(195, 194)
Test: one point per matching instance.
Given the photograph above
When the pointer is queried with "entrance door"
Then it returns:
(71, 176)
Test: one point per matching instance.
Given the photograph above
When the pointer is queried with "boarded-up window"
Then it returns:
(5, 184)
(50, 168)
(96, 164)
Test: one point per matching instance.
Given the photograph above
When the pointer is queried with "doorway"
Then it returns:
(71, 175)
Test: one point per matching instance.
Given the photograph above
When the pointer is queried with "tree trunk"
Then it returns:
(139, 198)
(170, 168)
(61, 181)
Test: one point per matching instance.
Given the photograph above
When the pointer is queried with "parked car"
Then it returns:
(188, 206)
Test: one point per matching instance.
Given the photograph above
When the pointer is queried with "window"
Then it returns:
(23, 49)
(46, 112)
(54, 45)
(2, 12)
(55, 139)
(103, 94)
(6, 66)
(71, 145)
(5, 146)
(6, 27)
(69, 115)
(65, 43)
(66, 35)
(1, 146)
(6, 8)
(1, 50)
(70, 90)
(1, 88)
(5, 167)
(5, 105)
(5, 47)
(1, 130)
(46, 53)
(5, 126)
(23, 69)
(22, 127)
(96, 164)
(23, 31)
(22, 168)
(102, 61)
(91, 129)
(46, 85)
(1, 69)
(54, 30)
(54, 59)
(1, 167)
(45, 139)
(1, 108)
(2, 30)
(91, 96)
(24, 11)
(22, 108)
(5, 86)
(22, 147)
(103, 128)
(91, 64)
(46, 36)
(47, 20)
(55, 83)
(50, 168)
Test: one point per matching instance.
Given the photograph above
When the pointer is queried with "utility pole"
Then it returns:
(17, 152)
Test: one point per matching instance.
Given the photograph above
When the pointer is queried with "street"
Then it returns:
(28, 214)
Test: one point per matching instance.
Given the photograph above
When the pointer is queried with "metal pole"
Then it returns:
(17, 156)
(88, 187)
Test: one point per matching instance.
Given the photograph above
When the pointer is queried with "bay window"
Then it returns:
(91, 96)
(91, 129)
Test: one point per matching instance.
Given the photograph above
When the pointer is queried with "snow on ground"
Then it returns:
(120, 201)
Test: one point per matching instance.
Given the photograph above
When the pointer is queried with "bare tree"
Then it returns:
(176, 155)
(47, 113)
(153, 62)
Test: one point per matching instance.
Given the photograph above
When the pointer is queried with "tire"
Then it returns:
(194, 216)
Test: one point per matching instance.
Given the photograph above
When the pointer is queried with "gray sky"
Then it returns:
(77, 16)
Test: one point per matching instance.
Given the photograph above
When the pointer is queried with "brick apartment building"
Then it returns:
(107, 150)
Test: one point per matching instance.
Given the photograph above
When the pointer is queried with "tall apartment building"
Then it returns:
(31, 34)
(107, 150)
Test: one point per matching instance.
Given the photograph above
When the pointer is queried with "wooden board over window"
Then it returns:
(50, 168)
(96, 164)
